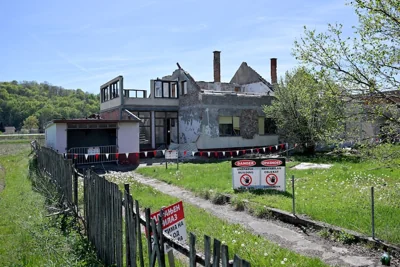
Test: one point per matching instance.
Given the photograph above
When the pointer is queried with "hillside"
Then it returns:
(19, 100)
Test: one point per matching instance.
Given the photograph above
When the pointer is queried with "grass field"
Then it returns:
(27, 236)
(248, 246)
(339, 196)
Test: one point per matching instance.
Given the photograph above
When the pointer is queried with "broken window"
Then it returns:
(174, 93)
(266, 126)
(183, 88)
(157, 89)
(229, 126)
(165, 89)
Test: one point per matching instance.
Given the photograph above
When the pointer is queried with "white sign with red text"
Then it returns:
(173, 222)
(267, 173)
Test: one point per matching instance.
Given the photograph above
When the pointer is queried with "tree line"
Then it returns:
(42, 102)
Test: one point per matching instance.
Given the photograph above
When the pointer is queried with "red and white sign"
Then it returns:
(271, 162)
(271, 179)
(246, 179)
(173, 222)
(259, 173)
(245, 163)
(171, 154)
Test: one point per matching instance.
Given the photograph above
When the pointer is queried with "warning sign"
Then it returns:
(271, 179)
(246, 179)
(173, 222)
(259, 173)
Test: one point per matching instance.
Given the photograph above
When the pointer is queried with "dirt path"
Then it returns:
(283, 234)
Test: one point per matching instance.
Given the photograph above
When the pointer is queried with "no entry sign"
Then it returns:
(259, 173)
(173, 222)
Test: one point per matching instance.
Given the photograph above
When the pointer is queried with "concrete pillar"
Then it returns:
(153, 129)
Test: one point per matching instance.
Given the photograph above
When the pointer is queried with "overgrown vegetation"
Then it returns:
(339, 195)
(42, 101)
(28, 236)
(248, 246)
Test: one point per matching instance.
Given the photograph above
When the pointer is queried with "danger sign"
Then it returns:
(173, 222)
(246, 179)
(271, 179)
(267, 173)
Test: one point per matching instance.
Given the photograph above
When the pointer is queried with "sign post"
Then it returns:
(267, 173)
(171, 154)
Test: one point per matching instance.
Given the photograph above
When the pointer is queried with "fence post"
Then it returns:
(75, 188)
(127, 219)
(372, 213)
(293, 198)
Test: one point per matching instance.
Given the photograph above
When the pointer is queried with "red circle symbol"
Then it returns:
(271, 179)
(246, 179)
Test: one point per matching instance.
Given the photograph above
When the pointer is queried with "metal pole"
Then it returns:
(293, 198)
(177, 161)
(372, 213)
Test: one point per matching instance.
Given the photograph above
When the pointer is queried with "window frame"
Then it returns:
(166, 92)
(231, 126)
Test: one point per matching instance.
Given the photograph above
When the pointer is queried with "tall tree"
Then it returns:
(366, 64)
(306, 110)
(31, 123)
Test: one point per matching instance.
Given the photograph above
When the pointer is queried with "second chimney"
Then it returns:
(217, 66)
(274, 78)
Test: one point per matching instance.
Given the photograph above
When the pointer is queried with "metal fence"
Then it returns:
(90, 155)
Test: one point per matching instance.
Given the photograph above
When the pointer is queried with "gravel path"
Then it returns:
(285, 235)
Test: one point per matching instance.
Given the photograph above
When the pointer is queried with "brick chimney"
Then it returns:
(217, 66)
(274, 78)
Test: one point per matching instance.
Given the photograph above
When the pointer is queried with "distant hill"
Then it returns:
(18, 100)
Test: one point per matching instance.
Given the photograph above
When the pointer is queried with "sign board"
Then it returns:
(267, 173)
(93, 150)
(173, 222)
(171, 154)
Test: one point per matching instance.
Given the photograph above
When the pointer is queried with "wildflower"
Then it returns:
(282, 262)
(223, 242)
(242, 245)
(265, 254)
(233, 241)
(284, 259)
(256, 243)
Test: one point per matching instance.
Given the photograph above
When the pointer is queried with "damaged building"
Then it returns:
(182, 113)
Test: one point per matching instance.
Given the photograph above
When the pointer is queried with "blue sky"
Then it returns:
(83, 44)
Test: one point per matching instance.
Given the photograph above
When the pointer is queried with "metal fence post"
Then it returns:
(372, 213)
(293, 198)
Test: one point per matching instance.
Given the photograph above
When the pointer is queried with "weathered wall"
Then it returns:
(116, 102)
(215, 86)
(189, 124)
(258, 87)
(248, 123)
(226, 142)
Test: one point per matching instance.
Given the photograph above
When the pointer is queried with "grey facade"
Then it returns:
(202, 115)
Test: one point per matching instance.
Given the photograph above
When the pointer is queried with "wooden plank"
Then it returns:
(237, 262)
(207, 251)
(225, 256)
(148, 234)
(132, 233)
(127, 223)
(192, 245)
(161, 241)
(156, 253)
(139, 234)
(118, 206)
(217, 252)
(245, 263)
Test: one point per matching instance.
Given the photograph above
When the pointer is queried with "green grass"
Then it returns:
(248, 246)
(27, 236)
(339, 196)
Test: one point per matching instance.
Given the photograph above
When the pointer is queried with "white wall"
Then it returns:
(128, 137)
(50, 133)
(61, 140)
(56, 137)
(207, 142)
(189, 130)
